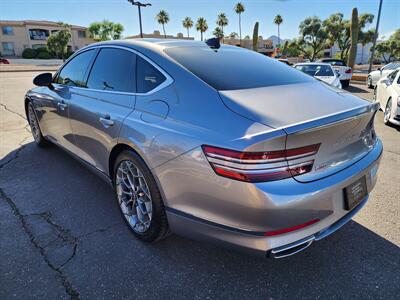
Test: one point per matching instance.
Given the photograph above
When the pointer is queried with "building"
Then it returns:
(15, 36)
(157, 35)
(263, 46)
(362, 57)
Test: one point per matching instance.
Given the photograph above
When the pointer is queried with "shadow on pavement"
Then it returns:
(74, 218)
(354, 89)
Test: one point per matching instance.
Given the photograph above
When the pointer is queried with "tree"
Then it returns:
(354, 29)
(187, 23)
(218, 33)
(239, 9)
(313, 38)
(222, 21)
(364, 38)
(105, 30)
(58, 41)
(255, 37)
(162, 18)
(247, 37)
(278, 21)
(389, 50)
(201, 25)
(233, 35)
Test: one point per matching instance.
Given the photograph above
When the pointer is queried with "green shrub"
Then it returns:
(29, 53)
(44, 55)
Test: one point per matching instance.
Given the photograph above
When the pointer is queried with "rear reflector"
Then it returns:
(290, 229)
(261, 166)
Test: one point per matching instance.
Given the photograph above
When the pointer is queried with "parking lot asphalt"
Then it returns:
(61, 234)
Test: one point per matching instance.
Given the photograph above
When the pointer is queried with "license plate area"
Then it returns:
(355, 193)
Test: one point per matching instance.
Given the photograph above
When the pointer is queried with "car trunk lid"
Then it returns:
(311, 114)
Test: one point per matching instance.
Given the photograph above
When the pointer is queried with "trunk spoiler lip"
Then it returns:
(332, 119)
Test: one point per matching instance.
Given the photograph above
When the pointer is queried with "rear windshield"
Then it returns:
(340, 63)
(316, 70)
(230, 68)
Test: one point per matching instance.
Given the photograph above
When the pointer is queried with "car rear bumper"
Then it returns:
(284, 201)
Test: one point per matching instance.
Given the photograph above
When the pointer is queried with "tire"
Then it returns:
(142, 208)
(369, 82)
(35, 127)
(387, 112)
(345, 83)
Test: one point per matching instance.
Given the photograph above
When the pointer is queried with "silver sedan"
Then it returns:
(212, 142)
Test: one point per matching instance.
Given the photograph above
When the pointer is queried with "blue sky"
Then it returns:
(83, 12)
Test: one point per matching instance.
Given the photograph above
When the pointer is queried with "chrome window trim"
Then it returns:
(167, 82)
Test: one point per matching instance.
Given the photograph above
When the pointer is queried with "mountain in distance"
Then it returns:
(274, 39)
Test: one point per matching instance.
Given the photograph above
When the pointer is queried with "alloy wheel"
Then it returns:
(33, 123)
(134, 196)
(386, 114)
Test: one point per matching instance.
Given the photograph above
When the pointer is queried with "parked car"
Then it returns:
(387, 94)
(345, 72)
(4, 61)
(374, 76)
(285, 61)
(266, 160)
(321, 71)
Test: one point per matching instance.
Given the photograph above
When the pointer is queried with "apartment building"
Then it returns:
(157, 35)
(15, 36)
(264, 46)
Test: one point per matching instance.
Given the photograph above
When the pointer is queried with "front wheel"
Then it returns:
(35, 128)
(139, 198)
(369, 82)
(387, 113)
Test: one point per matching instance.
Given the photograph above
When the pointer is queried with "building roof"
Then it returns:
(36, 22)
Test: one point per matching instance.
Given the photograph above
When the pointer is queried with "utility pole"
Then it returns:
(139, 5)
(375, 37)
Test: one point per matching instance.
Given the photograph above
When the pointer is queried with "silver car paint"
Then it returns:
(168, 126)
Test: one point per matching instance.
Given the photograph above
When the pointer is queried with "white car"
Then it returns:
(387, 93)
(321, 71)
(374, 76)
(345, 72)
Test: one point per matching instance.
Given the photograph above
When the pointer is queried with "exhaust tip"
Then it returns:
(291, 249)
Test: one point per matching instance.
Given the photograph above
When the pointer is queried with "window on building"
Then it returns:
(38, 46)
(38, 34)
(8, 49)
(81, 34)
(7, 30)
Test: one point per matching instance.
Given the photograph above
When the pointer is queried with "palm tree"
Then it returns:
(233, 35)
(278, 21)
(187, 23)
(222, 21)
(201, 25)
(239, 9)
(218, 33)
(162, 18)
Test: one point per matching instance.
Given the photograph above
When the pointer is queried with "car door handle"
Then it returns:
(62, 106)
(106, 120)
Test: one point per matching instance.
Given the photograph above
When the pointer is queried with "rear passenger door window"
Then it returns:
(148, 76)
(113, 70)
(73, 73)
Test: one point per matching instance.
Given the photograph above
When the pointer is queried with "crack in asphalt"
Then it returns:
(13, 112)
(69, 289)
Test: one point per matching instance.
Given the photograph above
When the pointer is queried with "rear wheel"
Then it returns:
(139, 198)
(35, 128)
(387, 113)
(345, 83)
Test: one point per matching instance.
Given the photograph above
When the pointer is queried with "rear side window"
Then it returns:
(148, 77)
(340, 63)
(73, 73)
(113, 70)
(230, 68)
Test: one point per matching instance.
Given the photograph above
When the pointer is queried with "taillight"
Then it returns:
(348, 71)
(261, 166)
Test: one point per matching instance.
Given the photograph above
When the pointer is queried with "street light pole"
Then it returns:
(375, 37)
(139, 5)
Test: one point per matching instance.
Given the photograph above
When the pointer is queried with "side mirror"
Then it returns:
(43, 79)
